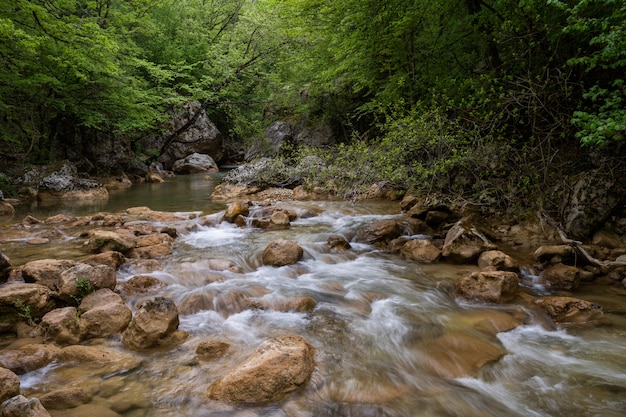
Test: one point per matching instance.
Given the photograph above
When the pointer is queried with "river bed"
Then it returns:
(376, 319)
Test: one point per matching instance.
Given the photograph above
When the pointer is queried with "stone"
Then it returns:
(408, 201)
(338, 242)
(103, 314)
(421, 250)
(9, 384)
(103, 240)
(5, 267)
(464, 243)
(282, 252)
(151, 252)
(23, 302)
(63, 326)
(224, 265)
(235, 209)
(20, 406)
(547, 252)
(154, 324)
(63, 398)
(154, 177)
(110, 258)
(195, 163)
(490, 286)
(46, 272)
(212, 349)
(142, 284)
(561, 277)
(278, 367)
(82, 279)
(498, 260)
(28, 358)
(381, 232)
(490, 322)
(569, 310)
(6, 209)
(279, 219)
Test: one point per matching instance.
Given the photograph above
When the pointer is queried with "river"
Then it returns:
(374, 326)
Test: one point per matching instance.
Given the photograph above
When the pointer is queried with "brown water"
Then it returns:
(376, 320)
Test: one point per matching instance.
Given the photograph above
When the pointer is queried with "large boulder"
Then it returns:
(63, 326)
(421, 250)
(491, 286)
(155, 324)
(195, 163)
(20, 406)
(381, 231)
(465, 242)
(497, 260)
(236, 209)
(9, 385)
(104, 240)
(64, 184)
(28, 358)
(561, 277)
(82, 279)
(46, 272)
(103, 314)
(282, 252)
(278, 367)
(23, 302)
(569, 310)
(6, 209)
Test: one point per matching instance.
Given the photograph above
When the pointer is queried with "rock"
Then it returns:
(498, 260)
(490, 322)
(338, 242)
(381, 232)
(279, 219)
(548, 252)
(236, 209)
(224, 265)
(569, 310)
(195, 163)
(28, 358)
(152, 246)
(82, 279)
(46, 272)
(607, 239)
(63, 398)
(282, 252)
(278, 133)
(64, 184)
(23, 302)
(103, 240)
(142, 284)
(155, 324)
(561, 277)
(154, 177)
(212, 349)
(110, 360)
(421, 250)
(303, 304)
(278, 367)
(464, 243)
(103, 314)
(110, 258)
(9, 385)
(20, 406)
(408, 201)
(5, 267)
(458, 355)
(6, 209)
(63, 326)
(491, 286)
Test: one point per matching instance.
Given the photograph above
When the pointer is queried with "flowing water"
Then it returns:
(379, 328)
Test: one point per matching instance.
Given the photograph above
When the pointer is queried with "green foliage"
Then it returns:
(23, 311)
(83, 288)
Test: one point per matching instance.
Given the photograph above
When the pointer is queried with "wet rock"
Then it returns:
(562, 277)
(23, 302)
(154, 177)
(458, 355)
(381, 232)
(63, 398)
(101, 359)
(338, 242)
(498, 260)
(212, 349)
(46, 272)
(302, 304)
(549, 252)
(9, 385)
(408, 201)
(6, 209)
(491, 286)
(571, 310)
(63, 326)
(464, 243)
(103, 240)
(60, 218)
(225, 265)
(103, 314)
(28, 358)
(20, 406)
(279, 219)
(83, 279)
(194, 164)
(282, 252)
(110, 258)
(278, 367)
(421, 250)
(5, 267)
(414, 226)
(490, 322)
(154, 324)
(153, 246)
(238, 208)
(142, 284)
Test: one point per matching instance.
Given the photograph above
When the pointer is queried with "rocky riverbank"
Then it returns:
(72, 308)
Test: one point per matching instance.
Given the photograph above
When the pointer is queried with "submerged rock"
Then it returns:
(571, 310)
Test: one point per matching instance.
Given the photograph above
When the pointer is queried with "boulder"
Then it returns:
(195, 163)
(28, 358)
(69, 397)
(20, 406)
(104, 240)
(278, 367)
(421, 250)
(381, 232)
(219, 264)
(212, 349)
(550, 252)
(142, 284)
(23, 302)
(498, 260)
(338, 242)
(408, 201)
(46, 272)
(278, 133)
(62, 183)
(103, 314)
(235, 209)
(282, 252)
(465, 242)
(153, 246)
(6, 209)
(569, 310)
(155, 324)
(561, 277)
(63, 326)
(9, 385)
(82, 279)
(110, 258)
(5, 267)
(154, 177)
(491, 286)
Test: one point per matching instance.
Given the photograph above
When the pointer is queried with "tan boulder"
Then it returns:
(104, 240)
(69, 397)
(490, 322)
(212, 349)
(571, 310)
(110, 258)
(421, 250)
(28, 358)
(498, 260)
(6, 209)
(23, 302)
(154, 177)
(548, 252)
(103, 314)
(278, 367)
(151, 252)
(491, 286)
(303, 304)
(465, 242)
(380, 232)
(218, 264)
(338, 242)
(46, 272)
(82, 279)
(154, 324)
(9, 384)
(142, 284)
(63, 326)
(20, 406)
(75, 196)
(282, 252)
(408, 201)
(561, 277)
(237, 208)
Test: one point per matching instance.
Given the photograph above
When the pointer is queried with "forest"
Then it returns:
(489, 101)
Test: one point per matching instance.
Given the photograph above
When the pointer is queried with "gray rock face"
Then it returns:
(195, 163)
(66, 179)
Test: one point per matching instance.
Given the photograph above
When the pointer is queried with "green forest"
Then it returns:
(491, 101)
